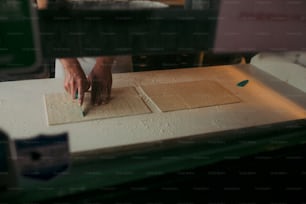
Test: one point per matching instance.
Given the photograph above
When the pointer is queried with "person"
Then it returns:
(76, 82)
(99, 79)
(77, 78)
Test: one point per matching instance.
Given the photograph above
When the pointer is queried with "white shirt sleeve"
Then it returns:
(121, 64)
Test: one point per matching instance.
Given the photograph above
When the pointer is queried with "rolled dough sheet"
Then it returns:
(62, 109)
(188, 95)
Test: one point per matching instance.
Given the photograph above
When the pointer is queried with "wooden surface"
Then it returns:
(61, 109)
(189, 95)
(173, 2)
(265, 100)
(124, 102)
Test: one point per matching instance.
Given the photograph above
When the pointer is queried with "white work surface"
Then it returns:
(23, 115)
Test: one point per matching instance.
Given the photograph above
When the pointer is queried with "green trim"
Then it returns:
(90, 172)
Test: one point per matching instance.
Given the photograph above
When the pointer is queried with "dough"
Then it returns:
(188, 95)
(62, 109)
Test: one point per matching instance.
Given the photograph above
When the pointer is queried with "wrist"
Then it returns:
(69, 61)
(71, 64)
(104, 63)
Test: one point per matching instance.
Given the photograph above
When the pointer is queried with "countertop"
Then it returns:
(265, 100)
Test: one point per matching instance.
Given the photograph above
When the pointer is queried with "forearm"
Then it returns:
(100, 78)
(69, 61)
(104, 62)
(42, 4)
(70, 64)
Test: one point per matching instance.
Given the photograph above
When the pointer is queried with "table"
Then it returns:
(134, 147)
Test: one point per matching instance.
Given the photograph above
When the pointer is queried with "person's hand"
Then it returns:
(42, 4)
(76, 83)
(100, 79)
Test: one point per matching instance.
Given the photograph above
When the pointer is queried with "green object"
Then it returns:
(243, 83)
(19, 43)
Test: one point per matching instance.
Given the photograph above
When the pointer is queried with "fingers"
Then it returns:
(76, 83)
(100, 93)
(94, 91)
(107, 92)
(67, 87)
(105, 96)
(81, 94)
(73, 90)
(109, 89)
(101, 84)
(76, 88)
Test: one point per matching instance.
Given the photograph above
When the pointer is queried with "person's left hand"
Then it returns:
(100, 79)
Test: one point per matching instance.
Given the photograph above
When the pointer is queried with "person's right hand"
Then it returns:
(76, 83)
(100, 79)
